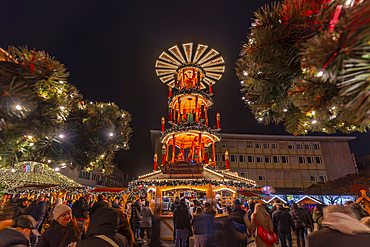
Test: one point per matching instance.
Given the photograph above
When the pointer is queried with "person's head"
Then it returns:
(100, 197)
(26, 224)
(46, 198)
(279, 206)
(40, 198)
(199, 210)
(58, 201)
(24, 201)
(366, 221)
(87, 197)
(207, 205)
(347, 203)
(260, 212)
(182, 200)
(251, 206)
(237, 203)
(177, 199)
(62, 214)
(146, 203)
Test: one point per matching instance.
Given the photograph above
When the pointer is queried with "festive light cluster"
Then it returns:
(190, 91)
(306, 64)
(184, 127)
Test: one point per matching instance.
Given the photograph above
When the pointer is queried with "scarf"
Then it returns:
(344, 223)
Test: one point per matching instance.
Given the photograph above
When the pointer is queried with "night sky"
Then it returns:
(110, 48)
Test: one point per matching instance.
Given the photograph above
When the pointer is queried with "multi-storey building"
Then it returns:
(95, 178)
(288, 163)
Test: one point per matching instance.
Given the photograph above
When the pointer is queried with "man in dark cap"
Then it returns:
(19, 234)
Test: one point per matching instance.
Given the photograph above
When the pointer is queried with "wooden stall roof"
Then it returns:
(274, 199)
(108, 189)
(309, 200)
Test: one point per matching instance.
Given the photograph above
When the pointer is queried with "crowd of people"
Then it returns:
(102, 222)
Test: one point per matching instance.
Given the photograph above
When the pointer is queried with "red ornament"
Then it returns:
(241, 189)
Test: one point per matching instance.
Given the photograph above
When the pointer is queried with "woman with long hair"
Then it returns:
(264, 220)
(200, 227)
(64, 230)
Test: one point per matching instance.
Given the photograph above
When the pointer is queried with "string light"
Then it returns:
(18, 107)
(61, 136)
(13, 170)
(62, 108)
(245, 73)
(57, 169)
(314, 121)
(110, 134)
(285, 110)
(320, 73)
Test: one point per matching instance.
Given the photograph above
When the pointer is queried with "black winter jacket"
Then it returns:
(38, 211)
(10, 237)
(182, 217)
(282, 221)
(200, 223)
(136, 222)
(79, 208)
(103, 222)
(20, 210)
(298, 216)
(99, 204)
(54, 235)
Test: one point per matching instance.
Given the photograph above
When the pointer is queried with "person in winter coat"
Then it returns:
(38, 213)
(340, 228)
(300, 220)
(199, 223)
(19, 232)
(81, 207)
(64, 231)
(318, 217)
(22, 208)
(182, 221)
(103, 230)
(239, 215)
(146, 223)
(136, 220)
(115, 204)
(283, 223)
(264, 220)
(124, 227)
(173, 207)
(208, 209)
(251, 210)
(99, 204)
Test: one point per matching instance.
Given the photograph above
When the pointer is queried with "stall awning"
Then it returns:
(109, 189)
(309, 200)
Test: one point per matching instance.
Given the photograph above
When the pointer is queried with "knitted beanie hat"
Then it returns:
(60, 209)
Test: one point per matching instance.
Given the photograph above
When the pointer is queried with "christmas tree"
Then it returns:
(307, 65)
(44, 118)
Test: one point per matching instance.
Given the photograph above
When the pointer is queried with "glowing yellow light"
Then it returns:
(18, 107)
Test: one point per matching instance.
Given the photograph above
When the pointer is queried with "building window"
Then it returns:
(224, 144)
(299, 145)
(313, 179)
(241, 157)
(257, 145)
(267, 159)
(217, 145)
(274, 145)
(232, 144)
(307, 146)
(266, 145)
(276, 158)
(287, 175)
(259, 159)
(293, 159)
(316, 146)
(322, 178)
(310, 160)
(234, 158)
(284, 159)
(261, 175)
(301, 160)
(270, 175)
(251, 158)
(313, 175)
(241, 144)
(218, 157)
(319, 160)
(278, 175)
(290, 145)
(305, 176)
(244, 174)
(223, 157)
(249, 144)
(282, 145)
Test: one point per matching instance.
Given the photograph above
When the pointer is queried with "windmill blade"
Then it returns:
(162, 64)
(164, 56)
(199, 52)
(177, 53)
(213, 62)
(188, 48)
(212, 53)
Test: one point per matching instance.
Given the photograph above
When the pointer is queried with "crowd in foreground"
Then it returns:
(103, 223)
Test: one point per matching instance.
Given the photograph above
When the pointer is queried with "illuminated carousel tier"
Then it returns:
(184, 69)
(187, 135)
(188, 98)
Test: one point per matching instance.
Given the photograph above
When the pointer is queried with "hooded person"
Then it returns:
(19, 233)
(340, 228)
(64, 230)
(174, 205)
(102, 231)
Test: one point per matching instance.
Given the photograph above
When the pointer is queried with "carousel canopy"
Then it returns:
(33, 173)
